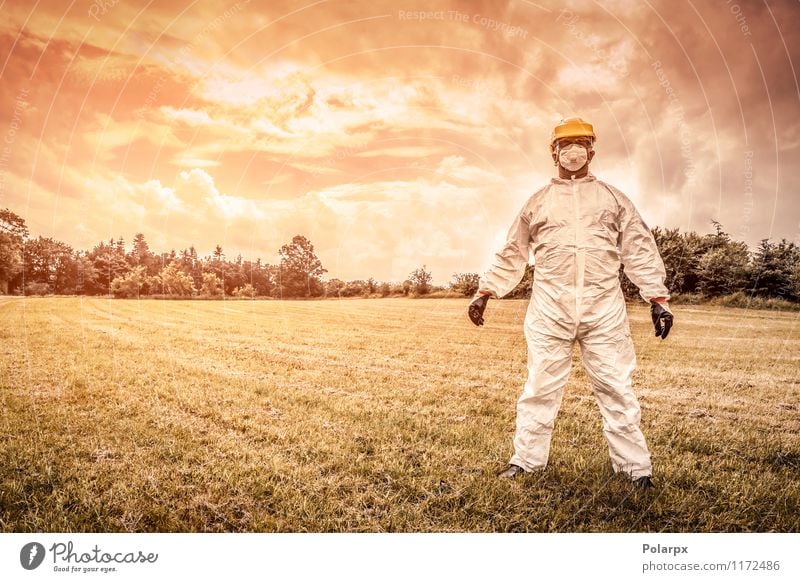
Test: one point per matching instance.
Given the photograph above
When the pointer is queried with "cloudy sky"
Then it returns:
(390, 136)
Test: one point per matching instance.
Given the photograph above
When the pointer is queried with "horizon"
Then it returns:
(128, 244)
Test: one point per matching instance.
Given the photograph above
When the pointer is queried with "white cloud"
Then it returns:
(191, 117)
(199, 185)
(165, 197)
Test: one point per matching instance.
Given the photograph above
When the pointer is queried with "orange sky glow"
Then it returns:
(391, 134)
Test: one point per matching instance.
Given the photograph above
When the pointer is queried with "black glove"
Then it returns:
(662, 319)
(476, 309)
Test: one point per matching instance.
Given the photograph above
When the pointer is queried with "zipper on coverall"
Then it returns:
(580, 258)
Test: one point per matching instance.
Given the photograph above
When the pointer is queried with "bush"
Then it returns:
(135, 283)
(246, 292)
(124, 288)
(37, 289)
(333, 288)
(353, 289)
(686, 299)
(465, 283)
(420, 280)
(212, 285)
(744, 301)
(174, 281)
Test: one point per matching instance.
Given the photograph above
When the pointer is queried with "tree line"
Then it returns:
(45, 266)
(708, 266)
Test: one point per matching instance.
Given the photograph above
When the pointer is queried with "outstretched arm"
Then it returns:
(639, 254)
(508, 265)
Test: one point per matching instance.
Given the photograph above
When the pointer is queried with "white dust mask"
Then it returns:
(573, 157)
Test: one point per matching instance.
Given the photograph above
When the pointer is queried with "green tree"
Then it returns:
(795, 279)
(674, 252)
(85, 275)
(140, 253)
(174, 281)
(212, 286)
(300, 270)
(13, 233)
(196, 270)
(50, 262)
(109, 262)
(36, 288)
(524, 288)
(13, 224)
(245, 291)
(133, 284)
(333, 288)
(772, 271)
(260, 277)
(355, 288)
(465, 283)
(681, 253)
(696, 245)
(421, 280)
(724, 269)
(233, 276)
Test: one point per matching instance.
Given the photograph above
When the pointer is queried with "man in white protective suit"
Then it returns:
(579, 229)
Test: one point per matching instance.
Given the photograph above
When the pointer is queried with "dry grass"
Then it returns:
(375, 415)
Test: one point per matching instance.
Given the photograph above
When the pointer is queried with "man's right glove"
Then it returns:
(477, 307)
(662, 318)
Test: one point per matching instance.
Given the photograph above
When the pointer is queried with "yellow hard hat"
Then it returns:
(572, 127)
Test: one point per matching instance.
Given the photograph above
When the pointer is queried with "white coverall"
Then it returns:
(578, 231)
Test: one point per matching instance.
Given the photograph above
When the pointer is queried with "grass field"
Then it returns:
(376, 415)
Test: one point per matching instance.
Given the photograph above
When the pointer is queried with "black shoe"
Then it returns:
(643, 483)
(511, 472)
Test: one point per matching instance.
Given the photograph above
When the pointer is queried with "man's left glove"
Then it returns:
(477, 307)
(662, 318)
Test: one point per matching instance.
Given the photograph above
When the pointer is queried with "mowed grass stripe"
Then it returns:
(116, 371)
(294, 416)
